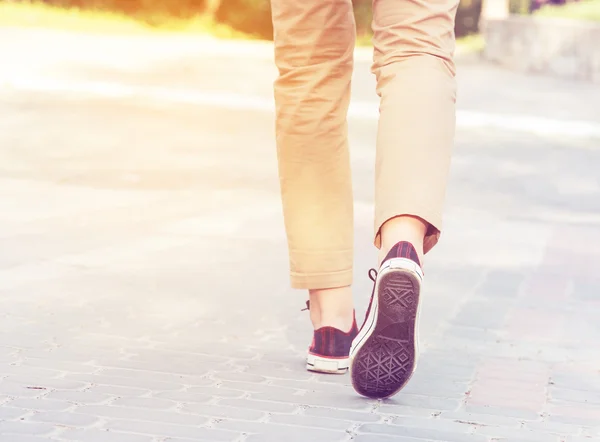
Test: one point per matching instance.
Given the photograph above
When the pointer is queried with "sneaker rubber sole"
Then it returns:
(385, 352)
(321, 364)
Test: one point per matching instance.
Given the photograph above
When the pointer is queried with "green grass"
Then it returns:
(583, 10)
(45, 16)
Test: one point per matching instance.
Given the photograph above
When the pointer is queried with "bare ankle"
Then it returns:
(332, 307)
(402, 228)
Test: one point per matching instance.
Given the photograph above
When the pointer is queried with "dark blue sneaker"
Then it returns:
(330, 349)
(384, 354)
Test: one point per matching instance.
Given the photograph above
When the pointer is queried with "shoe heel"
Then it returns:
(327, 365)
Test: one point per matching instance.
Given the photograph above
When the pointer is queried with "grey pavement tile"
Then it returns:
(348, 401)
(150, 403)
(23, 438)
(141, 383)
(99, 435)
(62, 366)
(9, 413)
(270, 431)
(303, 420)
(283, 387)
(585, 397)
(386, 410)
(482, 314)
(576, 381)
(152, 377)
(312, 385)
(239, 377)
(481, 420)
(171, 430)
(501, 283)
(297, 375)
(115, 390)
(141, 414)
(516, 413)
(554, 427)
(66, 418)
(186, 396)
(501, 433)
(79, 397)
(336, 413)
(440, 424)
(427, 433)
(26, 428)
(582, 439)
(418, 401)
(268, 406)
(41, 404)
(387, 438)
(424, 385)
(16, 389)
(224, 412)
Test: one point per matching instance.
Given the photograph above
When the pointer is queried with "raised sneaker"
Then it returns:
(330, 348)
(383, 356)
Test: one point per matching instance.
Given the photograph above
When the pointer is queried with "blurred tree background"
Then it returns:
(248, 16)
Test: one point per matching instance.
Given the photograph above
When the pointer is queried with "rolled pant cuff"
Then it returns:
(321, 280)
(432, 217)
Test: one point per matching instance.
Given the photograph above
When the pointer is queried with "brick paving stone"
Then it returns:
(145, 402)
(189, 396)
(381, 438)
(174, 430)
(223, 411)
(417, 401)
(268, 406)
(43, 404)
(97, 435)
(386, 409)
(270, 431)
(423, 432)
(516, 413)
(574, 413)
(346, 401)
(439, 424)
(141, 414)
(157, 377)
(585, 397)
(86, 397)
(22, 438)
(126, 382)
(481, 419)
(117, 391)
(517, 434)
(26, 428)
(7, 413)
(334, 413)
(303, 420)
(273, 387)
(65, 418)
(554, 427)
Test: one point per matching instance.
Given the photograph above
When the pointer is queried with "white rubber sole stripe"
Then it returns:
(327, 365)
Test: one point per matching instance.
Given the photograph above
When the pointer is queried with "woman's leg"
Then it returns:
(414, 45)
(413, 62)
(314, 43)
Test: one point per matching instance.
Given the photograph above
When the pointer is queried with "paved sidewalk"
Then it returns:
(143, 269)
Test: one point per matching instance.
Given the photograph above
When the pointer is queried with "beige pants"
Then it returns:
(314, 44)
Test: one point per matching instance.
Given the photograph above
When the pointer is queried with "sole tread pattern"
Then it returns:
(386, 361)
